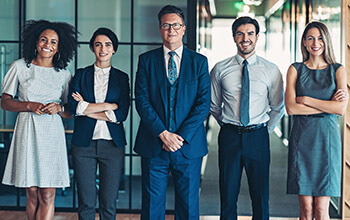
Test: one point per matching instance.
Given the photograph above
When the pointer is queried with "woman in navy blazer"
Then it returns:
(100, 99)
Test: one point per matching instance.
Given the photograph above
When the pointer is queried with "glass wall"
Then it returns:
(136, 24)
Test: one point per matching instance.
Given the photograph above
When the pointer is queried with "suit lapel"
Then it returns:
(184, 74)
(112, 83)
(161, 77)
(90, 82)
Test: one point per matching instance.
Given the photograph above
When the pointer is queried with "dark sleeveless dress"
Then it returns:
(314, 156)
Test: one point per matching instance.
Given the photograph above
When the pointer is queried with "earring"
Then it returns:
(58, 56)
(35, 52)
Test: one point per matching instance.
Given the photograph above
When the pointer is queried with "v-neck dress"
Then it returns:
(314, 157)
(37, 155)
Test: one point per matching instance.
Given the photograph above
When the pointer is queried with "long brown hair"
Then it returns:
(328, 54)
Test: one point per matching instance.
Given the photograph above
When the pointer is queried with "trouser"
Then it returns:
(250, 150)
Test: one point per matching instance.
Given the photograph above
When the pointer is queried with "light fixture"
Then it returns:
(252, 2)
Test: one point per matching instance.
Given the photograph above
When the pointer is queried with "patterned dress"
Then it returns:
(314, 157)
(38, 155)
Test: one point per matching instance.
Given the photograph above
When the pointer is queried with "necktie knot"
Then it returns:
(172, 53)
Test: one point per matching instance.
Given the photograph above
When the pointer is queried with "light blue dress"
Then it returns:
(314, 157)
(38, 155)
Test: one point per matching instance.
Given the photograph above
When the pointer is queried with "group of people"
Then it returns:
(174, 93)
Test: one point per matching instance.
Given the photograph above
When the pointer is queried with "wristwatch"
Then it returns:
(62, 110)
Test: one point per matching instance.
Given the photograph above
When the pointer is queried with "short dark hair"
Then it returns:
(67, 41)
(108, 33)
(245, 20)
(169, 9)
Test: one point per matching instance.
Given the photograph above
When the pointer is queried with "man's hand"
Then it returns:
(171, 141)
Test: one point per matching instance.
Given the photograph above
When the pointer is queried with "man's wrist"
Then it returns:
(162, 133)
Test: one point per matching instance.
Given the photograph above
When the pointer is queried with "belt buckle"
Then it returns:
(242, 130)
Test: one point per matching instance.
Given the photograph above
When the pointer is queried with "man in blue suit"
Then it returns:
(172, 98)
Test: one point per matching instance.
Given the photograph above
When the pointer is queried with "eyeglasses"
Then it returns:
(166, 26)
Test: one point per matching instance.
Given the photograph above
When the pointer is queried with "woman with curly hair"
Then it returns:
(37, 160)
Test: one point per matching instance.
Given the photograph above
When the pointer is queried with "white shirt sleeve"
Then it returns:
(111, 116)
(82, 105)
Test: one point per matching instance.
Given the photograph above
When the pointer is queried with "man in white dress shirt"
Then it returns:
(247, 102)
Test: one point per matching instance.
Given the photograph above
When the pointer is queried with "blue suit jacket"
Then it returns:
(118, 92)
(192, 103)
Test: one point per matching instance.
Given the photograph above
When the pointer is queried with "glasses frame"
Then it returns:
(163, 26)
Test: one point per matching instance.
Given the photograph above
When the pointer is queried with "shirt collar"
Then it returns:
(178, 51)
(251, 59)
(102, 70)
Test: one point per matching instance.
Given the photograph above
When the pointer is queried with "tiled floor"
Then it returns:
(15, 215)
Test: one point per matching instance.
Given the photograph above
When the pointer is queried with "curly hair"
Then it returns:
(67, 41)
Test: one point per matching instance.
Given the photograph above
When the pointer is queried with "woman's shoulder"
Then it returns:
(297, 64)
(120, 73)
(336, 66)
(20, 63)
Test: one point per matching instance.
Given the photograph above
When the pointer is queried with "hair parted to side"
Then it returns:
(328, 54)
(169, 9)
(245, 20)
(108, 33)
(67, 41)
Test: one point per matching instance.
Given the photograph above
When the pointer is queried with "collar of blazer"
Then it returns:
(184, 76)
(90, 79)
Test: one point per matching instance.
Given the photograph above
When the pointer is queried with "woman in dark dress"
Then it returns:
(100, 99)
(316, 94)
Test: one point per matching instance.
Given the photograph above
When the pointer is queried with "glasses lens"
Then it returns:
(176, 26)
(165, 26)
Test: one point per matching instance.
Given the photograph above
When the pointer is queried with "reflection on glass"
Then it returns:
(329, 13)
(8, 54)
(9, 20)
(146, 18)
(53, 10)
(113, 14)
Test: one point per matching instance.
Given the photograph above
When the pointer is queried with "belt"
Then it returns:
(243, 129)
(321, 115)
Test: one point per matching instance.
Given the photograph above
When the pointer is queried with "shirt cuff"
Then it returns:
(82, 105)
(111, 116)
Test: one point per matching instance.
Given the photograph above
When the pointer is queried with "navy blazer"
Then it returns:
(192, 103)
(118, 92)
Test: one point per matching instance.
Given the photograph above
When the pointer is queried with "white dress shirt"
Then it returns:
(266, 91)
(101, 79)
(177, 58)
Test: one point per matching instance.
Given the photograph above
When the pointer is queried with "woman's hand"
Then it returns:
(52, 108)
(36, 107)
(340, 95)
(111, 106)
(77, 97)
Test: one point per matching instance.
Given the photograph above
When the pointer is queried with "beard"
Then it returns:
(246, 52)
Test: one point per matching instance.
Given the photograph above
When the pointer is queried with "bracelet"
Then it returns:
(62, 110)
